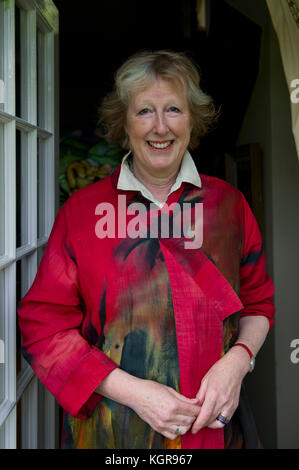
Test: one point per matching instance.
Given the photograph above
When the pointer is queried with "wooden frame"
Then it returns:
(27, 410)
(243, 169)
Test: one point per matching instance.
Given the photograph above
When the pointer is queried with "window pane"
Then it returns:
(18, 59)
(2, 191)
(41, 182)
(22, 187)
(21, 63)
(41, 85)
(22, 286)
(2, 338)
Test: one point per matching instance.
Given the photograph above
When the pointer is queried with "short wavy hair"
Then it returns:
(139, 72)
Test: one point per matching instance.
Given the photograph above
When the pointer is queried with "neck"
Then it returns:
(159, 185)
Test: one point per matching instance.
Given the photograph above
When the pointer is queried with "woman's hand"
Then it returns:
(219, 391)
(165, 410)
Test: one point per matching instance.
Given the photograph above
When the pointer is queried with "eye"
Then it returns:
(174, 109)
(144, 111)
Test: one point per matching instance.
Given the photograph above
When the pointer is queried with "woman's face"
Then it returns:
(159, 127)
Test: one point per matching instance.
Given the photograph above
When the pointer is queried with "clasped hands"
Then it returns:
(171, 413)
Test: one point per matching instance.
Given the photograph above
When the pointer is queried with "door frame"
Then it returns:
(30, 154)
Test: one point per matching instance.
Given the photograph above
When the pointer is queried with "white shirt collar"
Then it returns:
(188, 173)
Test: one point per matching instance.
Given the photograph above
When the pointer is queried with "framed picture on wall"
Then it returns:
(243, 169)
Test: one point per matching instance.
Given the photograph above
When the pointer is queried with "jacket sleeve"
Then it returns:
(49, 319)
(256, 287)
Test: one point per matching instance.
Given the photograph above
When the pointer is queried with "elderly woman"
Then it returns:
(145, 338)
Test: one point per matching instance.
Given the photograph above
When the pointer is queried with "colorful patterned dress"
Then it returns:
(148, 305)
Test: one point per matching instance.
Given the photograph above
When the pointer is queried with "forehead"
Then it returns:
(160, 90)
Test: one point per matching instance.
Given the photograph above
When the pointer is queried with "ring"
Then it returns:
(222, 419)
(177, 430)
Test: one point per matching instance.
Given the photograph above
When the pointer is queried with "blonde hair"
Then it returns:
(140, 71)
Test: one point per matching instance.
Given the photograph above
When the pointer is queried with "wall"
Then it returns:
(274, 387)
(285, 177)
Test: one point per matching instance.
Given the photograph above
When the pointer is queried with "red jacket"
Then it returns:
(84, 287)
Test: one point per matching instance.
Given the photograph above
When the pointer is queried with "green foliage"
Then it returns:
(82, 164)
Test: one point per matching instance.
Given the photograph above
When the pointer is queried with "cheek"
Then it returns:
(186, 133)
(137, 130)
(183, 128)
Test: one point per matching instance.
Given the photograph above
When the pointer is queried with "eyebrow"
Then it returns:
(171, 102)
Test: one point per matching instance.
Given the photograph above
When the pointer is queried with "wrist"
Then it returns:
(241, 360)
(121, 387)
(249, 352)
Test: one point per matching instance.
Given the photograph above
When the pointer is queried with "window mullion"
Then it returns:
(10, 271)
(10, 334)
(10, 430)
(29, 410)
(10, 188)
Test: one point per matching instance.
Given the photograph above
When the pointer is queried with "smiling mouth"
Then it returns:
(160, 145)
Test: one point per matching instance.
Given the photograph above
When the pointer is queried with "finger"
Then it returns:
(191, 411)
(186, 407)
(175, 431)
(202, 392)
(184, 420)
(185, 399)
(216, 424)
(221, 419)
(179, 430)
(206, 415)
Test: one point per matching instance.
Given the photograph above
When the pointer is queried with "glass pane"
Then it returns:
(2, 338)
(22, 187)
(41, 181)
(41, 85)
(21, 289)
(18, 59)
(20, 63)
(1, 57)
(2, 191)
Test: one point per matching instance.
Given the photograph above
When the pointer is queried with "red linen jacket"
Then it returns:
(65, 316)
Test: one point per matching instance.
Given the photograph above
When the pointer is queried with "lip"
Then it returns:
(163, 149)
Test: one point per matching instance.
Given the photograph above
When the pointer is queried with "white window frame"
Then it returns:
(38, 411)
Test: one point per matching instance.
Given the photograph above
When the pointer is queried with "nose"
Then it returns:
(161, 127)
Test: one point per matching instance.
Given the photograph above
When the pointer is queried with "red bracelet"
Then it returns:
(245, 347)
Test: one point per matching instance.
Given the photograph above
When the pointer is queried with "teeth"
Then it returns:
(160, 145)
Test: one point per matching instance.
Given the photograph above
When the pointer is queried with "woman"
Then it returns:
(133, 334)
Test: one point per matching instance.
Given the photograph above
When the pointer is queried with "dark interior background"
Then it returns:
(96, 36)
